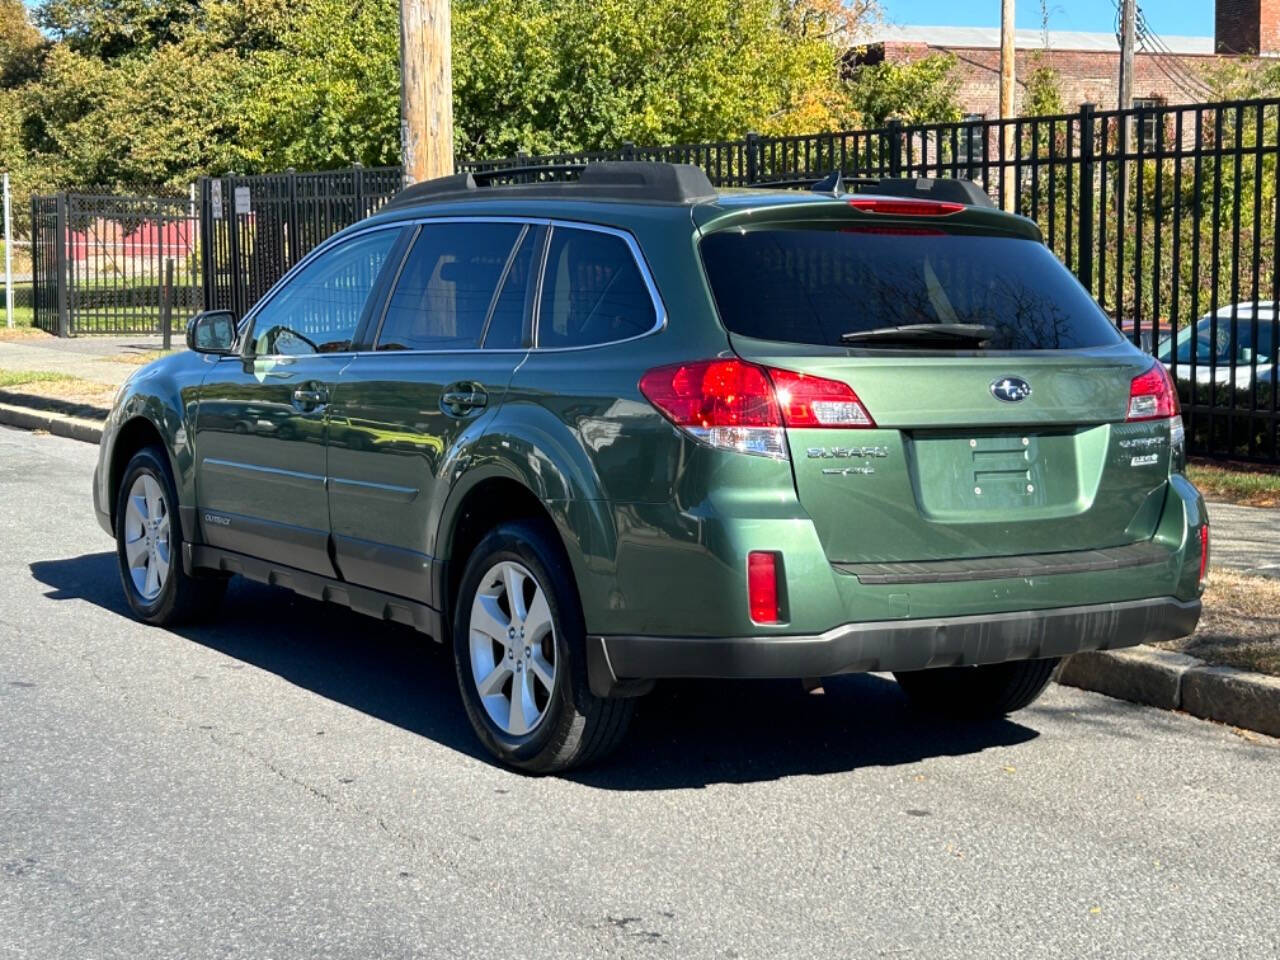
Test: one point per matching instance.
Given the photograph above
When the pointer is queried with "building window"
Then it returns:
(1150, 120)
(971, 150)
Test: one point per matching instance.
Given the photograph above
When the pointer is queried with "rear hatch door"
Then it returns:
(1011, 445)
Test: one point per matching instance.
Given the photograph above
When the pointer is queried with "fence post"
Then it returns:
(166, 307)
(61, 236)
(294, 240)
(8, 254)
(1084, 263)
(238, 292)
(357, 175)
(752, 151)
(894, 132)
(207, 258)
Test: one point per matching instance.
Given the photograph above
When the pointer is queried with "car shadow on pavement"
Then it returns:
(685, 733)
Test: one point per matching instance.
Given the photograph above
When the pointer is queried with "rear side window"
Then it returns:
(447, 285)
(592, 291)
(813, 285)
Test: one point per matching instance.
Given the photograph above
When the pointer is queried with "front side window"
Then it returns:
(319, 309)
(446, 288)
(592, 291)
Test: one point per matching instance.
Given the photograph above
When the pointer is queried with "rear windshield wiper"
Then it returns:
(924, 333)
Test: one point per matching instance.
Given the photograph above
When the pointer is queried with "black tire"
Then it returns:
(577, 727)
(987, 691)
(181, 598)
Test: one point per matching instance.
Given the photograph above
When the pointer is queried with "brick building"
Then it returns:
(1166, 69)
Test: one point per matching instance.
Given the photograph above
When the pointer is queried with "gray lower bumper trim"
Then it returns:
(892, 644)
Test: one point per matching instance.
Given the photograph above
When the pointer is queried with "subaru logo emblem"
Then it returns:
(1010, 389)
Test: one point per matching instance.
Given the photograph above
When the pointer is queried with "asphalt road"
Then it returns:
(297, 781)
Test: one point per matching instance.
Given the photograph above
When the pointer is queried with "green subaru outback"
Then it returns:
(605, 432)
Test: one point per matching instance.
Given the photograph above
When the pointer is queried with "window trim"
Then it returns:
(414, 225)
(637, 256)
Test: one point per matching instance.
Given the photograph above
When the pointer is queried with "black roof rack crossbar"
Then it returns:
(639, 181)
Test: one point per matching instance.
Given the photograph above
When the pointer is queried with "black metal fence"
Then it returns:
(255, 228)
(1168, 214)
(113, 264)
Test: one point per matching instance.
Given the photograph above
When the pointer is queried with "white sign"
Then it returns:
(215, 199)
(242, 201)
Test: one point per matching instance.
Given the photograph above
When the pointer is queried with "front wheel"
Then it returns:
(149, 548)
(987, 691)
(519, 649)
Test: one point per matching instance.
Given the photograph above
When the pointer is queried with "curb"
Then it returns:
(73, 427)
(1175, 681)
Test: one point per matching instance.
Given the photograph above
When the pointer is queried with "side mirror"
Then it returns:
(213, 331)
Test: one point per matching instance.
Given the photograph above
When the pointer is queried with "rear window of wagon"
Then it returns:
(813, 284)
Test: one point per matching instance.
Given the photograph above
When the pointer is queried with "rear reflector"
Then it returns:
(762, 586)
(906, 208)
(1204, 549)
(1152, 395)
(735, 405)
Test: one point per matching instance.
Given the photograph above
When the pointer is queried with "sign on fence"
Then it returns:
(215, 200)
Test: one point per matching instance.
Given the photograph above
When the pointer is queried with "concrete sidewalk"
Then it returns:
(1246, 539)
(90, 358)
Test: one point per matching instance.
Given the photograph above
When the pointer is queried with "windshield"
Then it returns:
(1217, 349)
(814, 284)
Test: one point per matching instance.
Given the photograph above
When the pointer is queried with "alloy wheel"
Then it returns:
(513, 648)
(146, 537)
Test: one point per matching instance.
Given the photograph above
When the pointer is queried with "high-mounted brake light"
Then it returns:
(1152, 396)
(762, 587)
(745, 407)
(906, 208)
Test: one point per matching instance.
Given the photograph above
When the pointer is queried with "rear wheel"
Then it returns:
(519, 649)
(149, 548)
(986, 691)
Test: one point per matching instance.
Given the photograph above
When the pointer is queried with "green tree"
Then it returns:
(918, 91)
(1042, 94)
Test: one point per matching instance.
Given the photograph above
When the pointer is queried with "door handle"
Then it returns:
(461, 398)
(310, 397)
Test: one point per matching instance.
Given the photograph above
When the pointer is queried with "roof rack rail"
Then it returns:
(639, 181)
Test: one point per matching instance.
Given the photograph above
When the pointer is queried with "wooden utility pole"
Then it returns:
(426, 90)
(1007, 182)
(1127, 14)
(1124, 92)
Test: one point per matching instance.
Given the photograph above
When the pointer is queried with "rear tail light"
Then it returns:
(815, 402)
(762, 587)
(906, 208)
(1204, 549)
(1152, 395)
(735, 405)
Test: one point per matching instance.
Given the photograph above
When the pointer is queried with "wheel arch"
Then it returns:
(137, 430)
(495, 493)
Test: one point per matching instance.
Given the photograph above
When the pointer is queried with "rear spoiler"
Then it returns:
(945, 189)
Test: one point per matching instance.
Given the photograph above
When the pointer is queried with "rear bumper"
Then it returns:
(618, 666)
